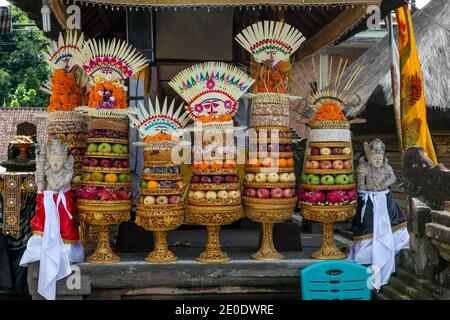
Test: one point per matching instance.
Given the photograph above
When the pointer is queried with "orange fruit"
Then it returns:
(254, 162)
(196, 164)
(290, 162)
(152, 184)
(111, 178)
(217, 164)
(203, 165)
(229, 164)
(267, 162)
(282, 162)
(180, 183)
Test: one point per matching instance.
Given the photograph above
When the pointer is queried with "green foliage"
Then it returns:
(22, 65)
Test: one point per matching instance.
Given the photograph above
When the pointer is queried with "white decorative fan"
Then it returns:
(272, 41)
(113, 60)
(63, 54)
(156, 120)
(211, 88)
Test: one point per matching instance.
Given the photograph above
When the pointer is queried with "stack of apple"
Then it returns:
(328, 177)
(106, 174)
(220, 188)
(161, 185)
(273, 177)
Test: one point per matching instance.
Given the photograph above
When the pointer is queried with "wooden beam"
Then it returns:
(106, 23)
(331, 31)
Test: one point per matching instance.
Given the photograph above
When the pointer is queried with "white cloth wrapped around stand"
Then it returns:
(54, 255)
(378, 249)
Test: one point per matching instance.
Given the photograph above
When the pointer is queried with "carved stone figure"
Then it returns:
(54, 169)
(55, 230)
(375, 174)
(379, 226)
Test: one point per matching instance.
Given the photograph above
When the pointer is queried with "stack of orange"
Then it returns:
(217, 164)
(329, 111)
(159, 137)
(269, 162)
(223, 118)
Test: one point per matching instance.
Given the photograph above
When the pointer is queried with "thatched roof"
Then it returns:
(433, 43)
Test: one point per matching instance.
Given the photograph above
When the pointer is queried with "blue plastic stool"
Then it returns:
(335, 280)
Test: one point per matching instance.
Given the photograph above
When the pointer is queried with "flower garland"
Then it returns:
(65, 91)
(107, 95)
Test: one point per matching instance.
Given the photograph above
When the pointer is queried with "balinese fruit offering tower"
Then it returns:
(328, 188)
(66, 95)
(160, 208)
(269, 194)
(105, 196)
(212, 90)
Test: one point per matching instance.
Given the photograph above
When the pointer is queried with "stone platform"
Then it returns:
(241, 278)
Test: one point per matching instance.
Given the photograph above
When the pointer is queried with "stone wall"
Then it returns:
(10, 118)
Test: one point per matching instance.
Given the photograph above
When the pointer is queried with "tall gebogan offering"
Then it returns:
(328, 187)
(212, 90)
(104, 198)
(269, 195)
(160, 208)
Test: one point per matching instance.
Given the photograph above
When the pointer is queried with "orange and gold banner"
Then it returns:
(412, 98)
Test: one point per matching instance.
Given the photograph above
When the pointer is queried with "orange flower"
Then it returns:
(65, 91)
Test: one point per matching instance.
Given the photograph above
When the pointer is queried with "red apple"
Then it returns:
(250, 192)
(338, 164)
(336, 150)
(288, 147)
(325, 164)
(93, 162)
(174, 199)
(229, 179)
(125, 164)
(195, 179)
(276, 193)
(314, 164)
(105, 163)
(315, 151)
(263, 193)
(347, 164)
(117, 163)
(205, 179)
(86, 162)
(288, 193)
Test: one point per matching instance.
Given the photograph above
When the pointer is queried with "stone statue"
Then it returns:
(54, 169)
(375, 174)
(379, 226)
(55, 230)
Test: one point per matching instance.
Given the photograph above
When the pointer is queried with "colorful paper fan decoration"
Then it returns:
(63, 54)
(112, 60)
(211, 90)
(108, 64)
(272, 41)
(64, 87)
(156, 123)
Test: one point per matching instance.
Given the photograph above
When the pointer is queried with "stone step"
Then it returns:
(407, 289)
(441, 217)
(416, 281)
(393, 294)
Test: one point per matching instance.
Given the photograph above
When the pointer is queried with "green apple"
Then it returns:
(104, 147)
(341, 179)
(313, 179)
(327, 179)
(304, 178)
(117, 148)
(123, 177)
(124, 149)
(143, 184)
(351, 178)
(92, 147)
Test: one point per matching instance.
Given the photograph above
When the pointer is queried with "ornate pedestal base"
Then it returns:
(161, 252)
(213, 253)
(103, 253)
(328, 215)
(268, 212)
(328, 249)
(213, 218)
(267, 250)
